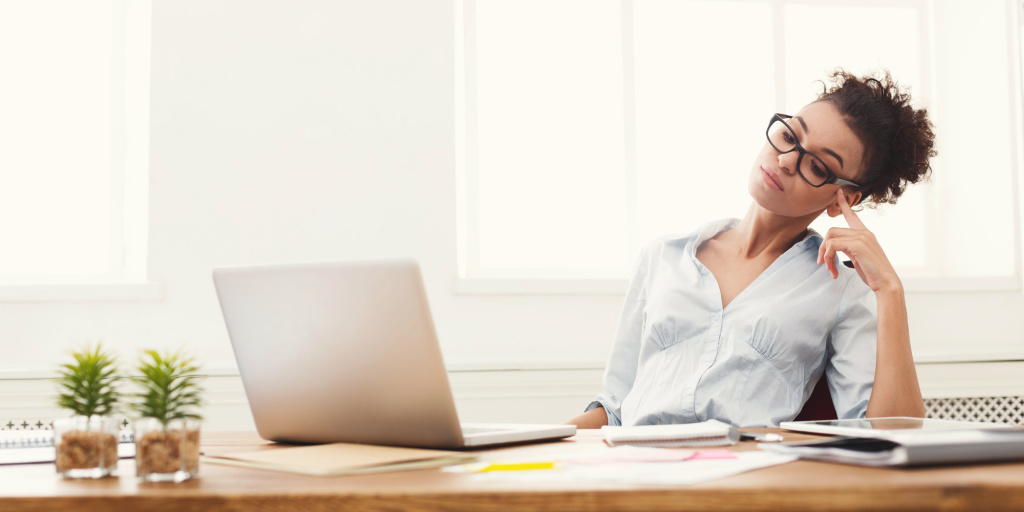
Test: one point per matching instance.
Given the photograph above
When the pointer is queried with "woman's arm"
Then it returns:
(895, 391)
(620, 371)
(594, 418)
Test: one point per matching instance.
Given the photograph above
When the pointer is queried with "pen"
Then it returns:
(767, 437)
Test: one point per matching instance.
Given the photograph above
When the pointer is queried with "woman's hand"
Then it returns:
(863, 249)
(594, 418)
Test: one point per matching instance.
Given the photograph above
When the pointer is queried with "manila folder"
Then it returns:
(341, 459)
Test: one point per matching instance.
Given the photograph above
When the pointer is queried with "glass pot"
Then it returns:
(166, 453)
(86, 446)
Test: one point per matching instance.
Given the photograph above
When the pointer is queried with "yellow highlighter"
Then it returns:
(515, 466)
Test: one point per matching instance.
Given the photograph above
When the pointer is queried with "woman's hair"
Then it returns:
(898, 140)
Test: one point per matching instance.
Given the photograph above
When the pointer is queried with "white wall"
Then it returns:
(320, 130)
(293, 131)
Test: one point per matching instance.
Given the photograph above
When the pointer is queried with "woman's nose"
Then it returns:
(788, 161)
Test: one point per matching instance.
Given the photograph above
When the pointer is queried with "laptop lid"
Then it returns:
(339, 351)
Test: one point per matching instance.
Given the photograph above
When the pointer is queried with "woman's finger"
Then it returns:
(831, 234)
(835, 244)
(851, 217)
(828, 257)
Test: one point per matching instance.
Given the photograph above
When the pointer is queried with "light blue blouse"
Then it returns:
(678, 357)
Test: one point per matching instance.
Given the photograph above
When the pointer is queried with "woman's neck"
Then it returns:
(761, 233)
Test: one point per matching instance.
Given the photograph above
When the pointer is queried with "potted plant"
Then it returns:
(86, 443)
(167, 433)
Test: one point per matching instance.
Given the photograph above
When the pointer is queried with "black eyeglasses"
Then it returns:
(813, 170)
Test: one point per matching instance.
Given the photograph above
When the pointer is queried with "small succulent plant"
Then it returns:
(169, 387)
(87, 384)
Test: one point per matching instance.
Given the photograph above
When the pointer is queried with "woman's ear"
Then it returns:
(834, 210)
(852, 198)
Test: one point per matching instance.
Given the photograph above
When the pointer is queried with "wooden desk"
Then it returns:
(800, 485)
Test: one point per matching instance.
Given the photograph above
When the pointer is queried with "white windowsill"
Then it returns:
(967, 355)
(553, 362)
(133, 292)
(455, 364)
(524, 286)
(597, 361)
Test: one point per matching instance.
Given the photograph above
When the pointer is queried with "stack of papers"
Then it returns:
(708, 433)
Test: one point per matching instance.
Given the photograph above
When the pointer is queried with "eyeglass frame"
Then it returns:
(831, 178)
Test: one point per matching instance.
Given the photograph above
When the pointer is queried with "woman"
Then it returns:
(739, 320)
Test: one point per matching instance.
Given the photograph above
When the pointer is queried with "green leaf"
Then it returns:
(168, 385)
(86, 385)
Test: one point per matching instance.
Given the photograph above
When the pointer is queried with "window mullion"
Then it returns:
(779, 44)
(116, 252)
(135, 201)
(471, 164)
(936, 264)
(1015, 33)
(629, 126)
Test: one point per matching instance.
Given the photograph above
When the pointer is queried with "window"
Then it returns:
(594, 126)
(74, 131)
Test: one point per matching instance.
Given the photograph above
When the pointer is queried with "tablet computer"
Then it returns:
(881, 427)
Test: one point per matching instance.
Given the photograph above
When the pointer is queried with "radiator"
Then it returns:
(1000, 409)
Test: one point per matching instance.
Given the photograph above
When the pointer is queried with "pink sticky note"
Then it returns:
(712, 454)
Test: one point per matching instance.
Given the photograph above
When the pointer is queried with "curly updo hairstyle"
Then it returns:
(898, 140)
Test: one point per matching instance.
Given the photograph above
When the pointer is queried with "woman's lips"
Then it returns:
(771, 179)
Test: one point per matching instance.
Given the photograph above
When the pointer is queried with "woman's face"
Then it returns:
(774, 182)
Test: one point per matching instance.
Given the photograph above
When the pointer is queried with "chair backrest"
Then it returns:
(819, 406)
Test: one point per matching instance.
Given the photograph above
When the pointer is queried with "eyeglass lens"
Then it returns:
(784, 140)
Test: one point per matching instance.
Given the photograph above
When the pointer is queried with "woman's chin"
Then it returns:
(762, 197)
(774, 205)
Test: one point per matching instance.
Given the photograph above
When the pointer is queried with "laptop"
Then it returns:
(347, 352)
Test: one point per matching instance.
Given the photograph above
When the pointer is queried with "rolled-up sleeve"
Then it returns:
(852, 349)
(620, 372)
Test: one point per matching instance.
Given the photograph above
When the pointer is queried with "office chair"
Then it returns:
(819, 405)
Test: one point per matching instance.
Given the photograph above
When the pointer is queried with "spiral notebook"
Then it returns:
(36, 446)
(707, 433)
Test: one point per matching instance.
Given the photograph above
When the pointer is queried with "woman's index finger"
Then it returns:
(851, 217)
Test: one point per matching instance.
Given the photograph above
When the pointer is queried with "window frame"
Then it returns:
(473, 279)
(126, 278)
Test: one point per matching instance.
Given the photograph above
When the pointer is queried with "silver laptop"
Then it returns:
(347, 352)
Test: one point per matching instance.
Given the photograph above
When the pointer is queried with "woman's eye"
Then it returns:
(789, 137)
(817, 170)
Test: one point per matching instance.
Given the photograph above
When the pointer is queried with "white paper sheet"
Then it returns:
(650, 473)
